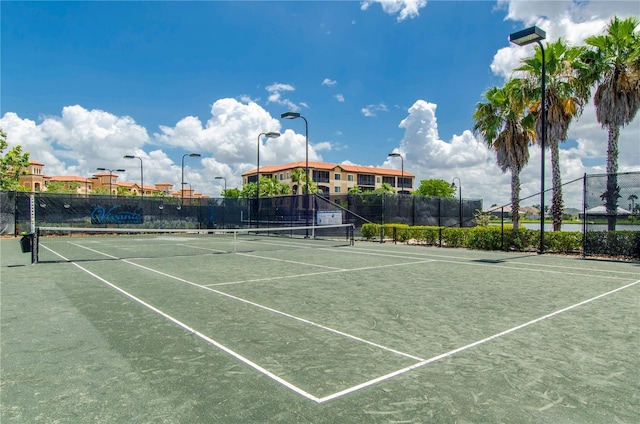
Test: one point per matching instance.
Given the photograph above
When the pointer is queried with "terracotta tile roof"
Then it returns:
(70, 178)
(328, 167)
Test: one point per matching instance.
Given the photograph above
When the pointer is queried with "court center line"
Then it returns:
(362, 385)
(275, 311)
(311, 274)
(197, 333)
(471, 345)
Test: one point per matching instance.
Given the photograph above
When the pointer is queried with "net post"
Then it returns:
(351, 231)
(235, 241)
(32, 213)
(35, 247)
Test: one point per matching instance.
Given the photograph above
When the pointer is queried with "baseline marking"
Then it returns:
(197, 333)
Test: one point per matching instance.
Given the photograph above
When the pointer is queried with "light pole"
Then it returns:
(141, 173)
(523, 38)
(398, 155)
(225, 182)
(294, 115)
(190, 189)
(111, 171)
(453, 185)
(191, 155)
(224, 212)
(268, 135)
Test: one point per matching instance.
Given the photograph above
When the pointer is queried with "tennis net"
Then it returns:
(70, 244)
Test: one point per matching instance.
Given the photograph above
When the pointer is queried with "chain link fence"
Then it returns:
(610, 215)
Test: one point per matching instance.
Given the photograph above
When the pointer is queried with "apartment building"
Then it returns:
(336, 179)
(37, 181)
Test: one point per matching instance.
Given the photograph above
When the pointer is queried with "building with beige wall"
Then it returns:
(336, 179)
(37, 181)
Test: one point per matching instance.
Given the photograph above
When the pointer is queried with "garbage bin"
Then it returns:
(26, 243)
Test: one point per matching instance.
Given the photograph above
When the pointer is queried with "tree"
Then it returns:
(231, 193)
(272, 187)
(355, 190)
(435, 188)
(104, 191)
(565, 96)
(503, 125)
(632, 201)
(249, 190)
(61, 187)
(614, 66)
(298, 176)
(123, 191)
(385, 188)
(13, 164)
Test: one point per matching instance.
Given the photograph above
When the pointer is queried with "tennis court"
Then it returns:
(305, 333)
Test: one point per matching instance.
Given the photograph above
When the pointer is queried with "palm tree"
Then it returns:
(504, 127)
(614, 62)
(298, 176)
(632, 202)
(566, 94)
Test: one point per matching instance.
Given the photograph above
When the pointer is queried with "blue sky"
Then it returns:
(85, 83)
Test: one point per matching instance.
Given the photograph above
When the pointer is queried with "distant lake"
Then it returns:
(548, 226)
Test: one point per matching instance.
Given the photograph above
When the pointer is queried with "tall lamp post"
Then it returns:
(459, 187)
(225, 182)
(268, 135)
(111, 171)
(223, 201)
(190, 189)
(398, 155)
(523, 38)
(141, 172)
(191, 155)
(294, 115)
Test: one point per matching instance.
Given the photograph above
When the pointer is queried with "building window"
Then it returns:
(389, 180)
(336, 189)
(287, 175)
(349, 177)
(320, 176)
(281, 176)
(336, 176)
(365, 180)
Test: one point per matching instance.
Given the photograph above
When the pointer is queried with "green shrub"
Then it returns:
(608, 243)
(370, 231)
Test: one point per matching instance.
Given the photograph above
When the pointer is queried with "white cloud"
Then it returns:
(275, 95)
(573, 21)
(329, 83)
(403, 8)
(371, 110)
(339, 97)
(80, 140)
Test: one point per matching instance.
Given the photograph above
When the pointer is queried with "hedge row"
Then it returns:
(613, 243)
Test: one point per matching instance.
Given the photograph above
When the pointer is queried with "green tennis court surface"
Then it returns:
(365, 333)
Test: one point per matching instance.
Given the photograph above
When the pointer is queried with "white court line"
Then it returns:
(312, 274)
(469, 346)
(473, 262)
(422, 362)
(197, 333)
(275, 311)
